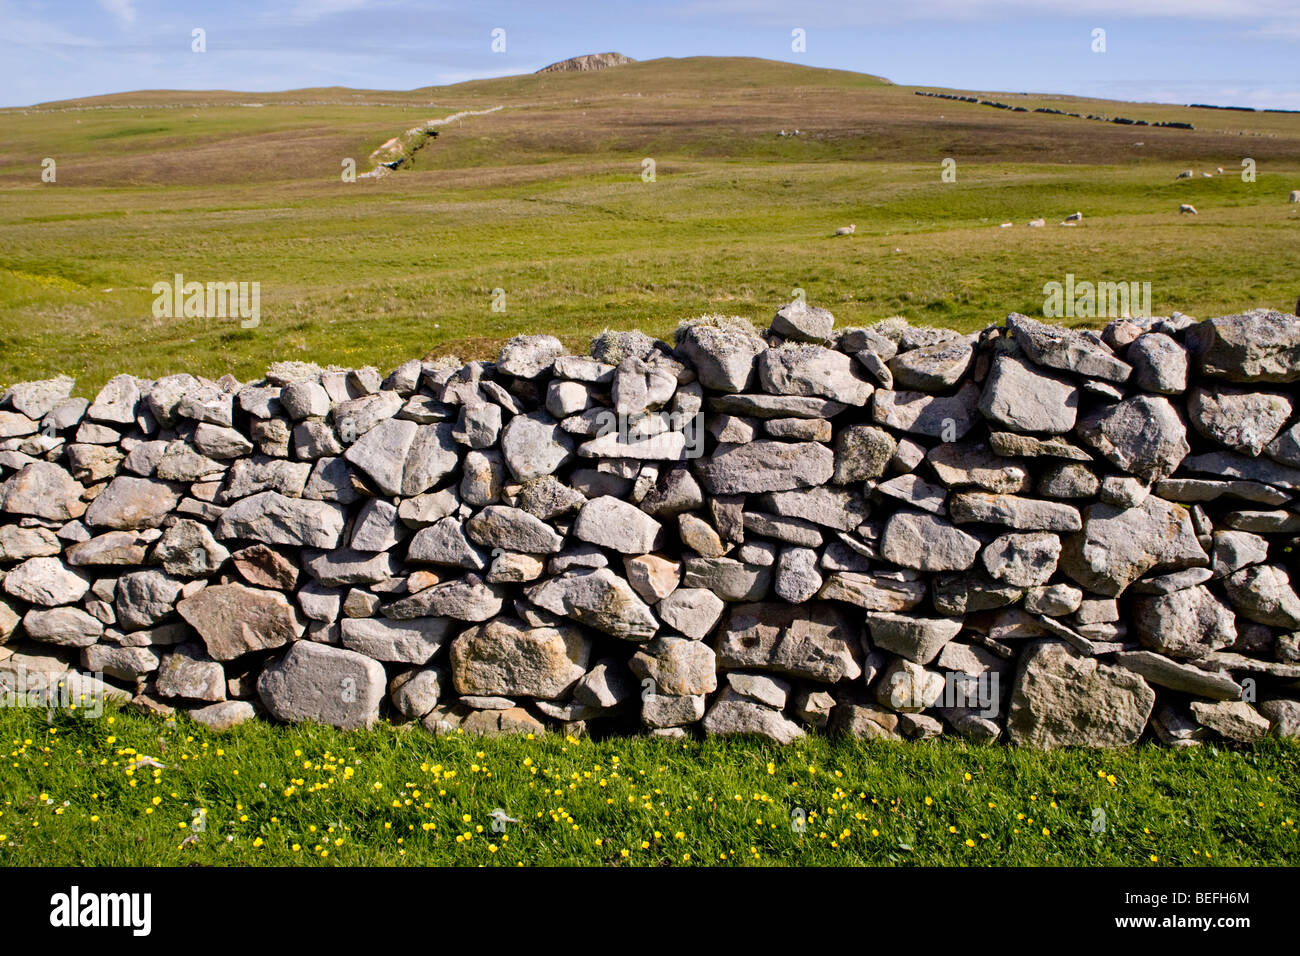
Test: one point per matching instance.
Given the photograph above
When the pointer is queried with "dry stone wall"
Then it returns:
(1030, 533)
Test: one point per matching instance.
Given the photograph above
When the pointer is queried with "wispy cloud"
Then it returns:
(122, 10)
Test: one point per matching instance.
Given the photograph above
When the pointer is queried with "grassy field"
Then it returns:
(267, 795)
(545, 200)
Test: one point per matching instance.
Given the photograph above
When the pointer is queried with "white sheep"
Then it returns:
(846, 230)
(1037, 222)
(1187, 207)
(1295, 195)
(1185, 174)
(1074, 217)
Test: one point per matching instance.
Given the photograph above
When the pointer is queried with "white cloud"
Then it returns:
(122, 10)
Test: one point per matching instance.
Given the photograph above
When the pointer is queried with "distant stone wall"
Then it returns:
(1029, 533)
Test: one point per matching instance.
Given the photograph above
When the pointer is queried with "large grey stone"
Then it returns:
(598, 598)
(1143, 435)
(272, 518)
(328, 685)
(234, 620)
(926, 542)
(1022, 398)
(1257, 346)
(1118, 546)
(507, 658)
(765, 466)
(413, 641)
(816, 640)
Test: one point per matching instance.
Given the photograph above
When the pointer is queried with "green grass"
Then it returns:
(397, 795)
(545, 200)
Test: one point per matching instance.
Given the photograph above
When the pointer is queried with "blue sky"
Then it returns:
(1228, 52)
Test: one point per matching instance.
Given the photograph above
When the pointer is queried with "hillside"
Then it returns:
(545, 198)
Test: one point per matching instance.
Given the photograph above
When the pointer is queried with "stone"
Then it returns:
(873, 592)
(46, 582)
(1233, 720)
(932, 368)
(723, 358)
(265, 567)
(1023, 560)
(917, 492)
(1066, 349)
(248, 476)
(416, 692)
(1244, 420)
(760, 688)
(513, 529)
(272, 518)
(797, 578)
(765, 466)
(1185, 678)
(799, 429)
(411, 641)
(189, 673)
(466, 599)
(1283, 716)
(811, 370)
(1261, 593)
(1256, 346)
(1067, 479)
(1022, 398)
(837, 508)
(188, 550)
(19, 544)
(1062, 698)
(234, 620)
(1143, 435)
(376, 527)
(381, 453)
(815, 641)
(926, 542)
(1055, 600)
(776, 406)
(1159, 364)
(617, 525)
(1174, 581)
(691, 611)
(728, 578)
(865, 722)
(1234, 550)
(445, 542)
(224, 715)
(506, 657)
(918, 639)
(116, 402)
(1118, 546)
(739, 716)
(598, 598)
(652, 576)
(208, 403)
(862, 452)
(64, 626)
(801, 322)
(328, 685)
(678, 667)
(1188, 623)
(660, 711)
(909, 688)
(343, 566)
(132, 503)
(220, 443)
(969, 464)
(37, 399)
(529, 356)
(534, 445)
(946, 417)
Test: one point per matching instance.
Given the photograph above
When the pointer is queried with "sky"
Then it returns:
(1224, 52)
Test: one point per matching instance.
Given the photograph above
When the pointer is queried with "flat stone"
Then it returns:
(272, 518)
(508, 658)
(1235, 720)
(1013, 511)
(598, 598)
(816, 640)
(1020, 397)
(873, 592)
(1165, 672)
(412, 641)
(776, 406)
(915, 638)
(811, 370)
(1143, 435)
(63, 626)
(926, 542)
(1066, 349)
(946, 417)
(234, 620)
(728, 578)
(1261, 593)
(970, 464)
(328, 685)
(765, 466)
(1011, 445)
(47, 582)
(691, 611)
(738, 716)
(513, 529)
(830, 507)
(617, 525)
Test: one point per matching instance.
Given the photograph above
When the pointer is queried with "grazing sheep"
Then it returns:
(1185, 174)
(1187, 207)
(1208, 175)
(1037, 222)
(845, 230)
(1220, 169)
(1074, 217)
(1295, 195)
